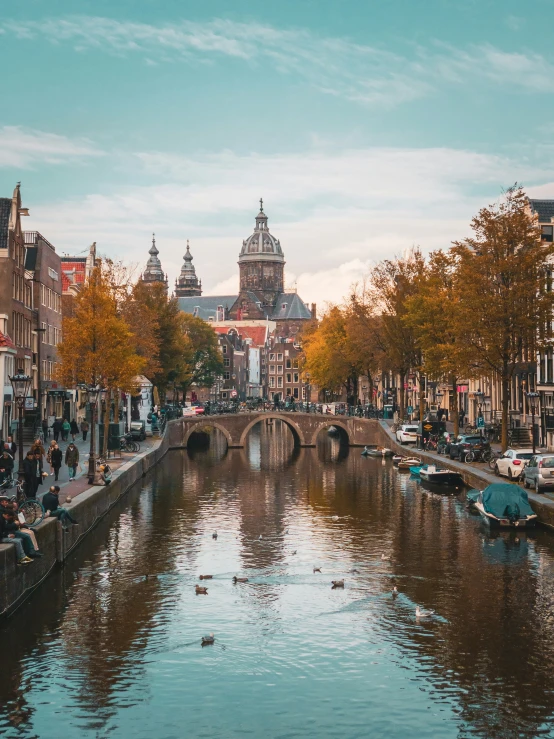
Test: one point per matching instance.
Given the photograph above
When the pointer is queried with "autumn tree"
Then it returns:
(203, 361)
(501, 277)
(391, 283)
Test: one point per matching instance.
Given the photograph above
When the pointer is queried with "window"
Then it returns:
(223, 394)
(289, 377)
(547, 233)
(227, 362)
(43, 332)
(272, 357)
(224, 348)
(271, 369)
(279, 369)
(42, 295)
(43, 363)
(279, 357)
(295, 392)
(295, 363)
(226, 375)
(279, 382)
(296, 377)
(271, 382)
(53, 274)
(288, 364)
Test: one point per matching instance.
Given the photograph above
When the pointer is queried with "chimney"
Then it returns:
(314, 311)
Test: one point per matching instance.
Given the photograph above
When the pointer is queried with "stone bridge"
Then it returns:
(305, 427)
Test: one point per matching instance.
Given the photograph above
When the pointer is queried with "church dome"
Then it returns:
(261, 245)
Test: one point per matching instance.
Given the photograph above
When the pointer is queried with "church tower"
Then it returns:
(188, 284)
(154, 272)
(261, 266)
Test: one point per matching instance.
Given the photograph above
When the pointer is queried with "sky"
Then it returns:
(367, 127)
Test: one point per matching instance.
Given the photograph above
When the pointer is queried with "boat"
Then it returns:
(503, 506)
(397, 458)
(378, 451)
(406, 463)
(415, 470)
(439, 476)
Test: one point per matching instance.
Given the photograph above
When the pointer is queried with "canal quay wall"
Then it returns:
(542, 504)
(17, 582)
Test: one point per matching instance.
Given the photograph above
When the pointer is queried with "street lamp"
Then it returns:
(308, 393)
(93, 474)
(532, 396)
(21, 385)
(480, 423)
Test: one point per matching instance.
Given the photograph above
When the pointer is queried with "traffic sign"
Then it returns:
(480, 422)
(410, 410)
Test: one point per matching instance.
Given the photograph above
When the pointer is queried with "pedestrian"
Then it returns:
(12, 446)
(29, 473)
(45, 428)
(56, 428)
(461, 416)
(440, 413)
(72, 460)
(84, 429)
(51, 504)
(7, 537)
(38, 447)
(56, 457)
(74, 429)
(6, 466)
(66, 428)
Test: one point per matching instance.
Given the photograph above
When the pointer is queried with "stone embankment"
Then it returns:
(17, 582)
(474, 477)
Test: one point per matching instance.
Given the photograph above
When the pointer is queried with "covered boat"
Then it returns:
(503, 505)
(438, 476)
(406, 463)
(378, 451)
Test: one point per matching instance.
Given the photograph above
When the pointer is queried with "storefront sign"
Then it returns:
(462, 388)
(29, 404)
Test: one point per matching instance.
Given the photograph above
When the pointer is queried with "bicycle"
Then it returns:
(128, 445)
(30, 508)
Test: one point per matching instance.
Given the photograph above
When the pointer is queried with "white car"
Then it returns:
(512, 462)
(407, 434)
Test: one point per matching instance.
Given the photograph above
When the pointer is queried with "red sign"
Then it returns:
(462, 388)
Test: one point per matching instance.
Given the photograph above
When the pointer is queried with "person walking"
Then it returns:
(72, 460)
(84, 428)
(12, 446)
(45, 429)
(55, 460)
(74, 429)
(66, 428)
(57, 428)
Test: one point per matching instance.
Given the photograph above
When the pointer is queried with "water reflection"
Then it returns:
(111, 644)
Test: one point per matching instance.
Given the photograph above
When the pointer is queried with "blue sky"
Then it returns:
(367, 127)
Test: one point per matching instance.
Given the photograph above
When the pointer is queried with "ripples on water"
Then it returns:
(110, 646)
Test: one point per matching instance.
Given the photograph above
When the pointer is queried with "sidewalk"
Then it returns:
(80, 484)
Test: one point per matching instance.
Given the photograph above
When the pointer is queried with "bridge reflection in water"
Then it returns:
(110, 645)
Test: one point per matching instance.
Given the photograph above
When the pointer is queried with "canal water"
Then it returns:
(110, 646)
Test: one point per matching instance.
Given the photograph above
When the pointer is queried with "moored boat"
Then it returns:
(502, 505)
(439, 476)
(378, 451)
(406, 463)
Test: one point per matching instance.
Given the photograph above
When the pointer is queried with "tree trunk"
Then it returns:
(402, 409)
(505, 405)
(455, 411)
(421, 397)
(106, 423)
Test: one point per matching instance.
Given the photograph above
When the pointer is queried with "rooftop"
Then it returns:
(543, 208)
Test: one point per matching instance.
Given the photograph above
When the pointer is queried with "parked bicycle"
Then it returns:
(30, 508)
(128, 445)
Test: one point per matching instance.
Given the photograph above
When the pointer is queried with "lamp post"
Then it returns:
(93, 474)
(480, 395)
(21, 384)
(532, 396)
(308, 393)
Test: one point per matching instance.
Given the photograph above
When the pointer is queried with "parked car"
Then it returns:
(512, 463)
(407, 434)
(539, 472)
(137, 430)
(465, 443)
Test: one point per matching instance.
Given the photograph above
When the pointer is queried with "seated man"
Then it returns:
(6, 466)
(13, 526)
(51, 504)
(8, 537)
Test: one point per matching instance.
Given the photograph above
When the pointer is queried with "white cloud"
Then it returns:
(335, 212)
(23, 148)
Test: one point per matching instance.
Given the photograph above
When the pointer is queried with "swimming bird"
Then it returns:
(384, 558)
(334, 518)
(260, 537)
(205, 577)
(317, 569)
(355, 572)
(394, 592)
(423, 612)
(294, 552)
(239, 579)
(208, 640)
(337, 584)
(200, 590)
(214, 535)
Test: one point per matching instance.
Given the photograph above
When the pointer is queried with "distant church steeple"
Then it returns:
(188, 284)
(154, 271)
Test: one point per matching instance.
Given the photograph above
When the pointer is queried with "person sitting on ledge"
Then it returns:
(51, 504)
(7, 537)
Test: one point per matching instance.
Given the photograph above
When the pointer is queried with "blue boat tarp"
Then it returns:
(506, 501)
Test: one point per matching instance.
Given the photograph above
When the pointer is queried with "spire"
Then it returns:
(188, 284)
(154, 271)
(261, 218)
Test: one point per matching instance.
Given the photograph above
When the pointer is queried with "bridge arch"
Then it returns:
(326, 423)
(206, 423)
(297, 432)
